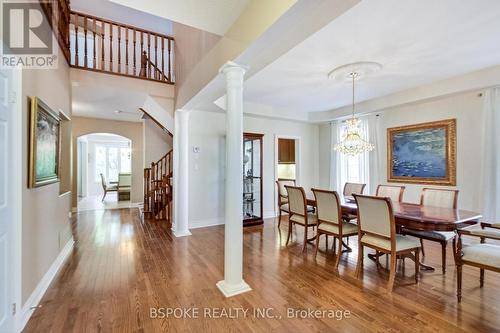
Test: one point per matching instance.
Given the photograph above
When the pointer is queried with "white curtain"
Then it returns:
(335, 181)
(490, 184)
(373, 124)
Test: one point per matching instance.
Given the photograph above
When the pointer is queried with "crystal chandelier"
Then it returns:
(353, 143)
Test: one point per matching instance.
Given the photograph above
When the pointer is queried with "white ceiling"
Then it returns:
(123, 14)
(215, 16)
(102, 102)
(417, 42)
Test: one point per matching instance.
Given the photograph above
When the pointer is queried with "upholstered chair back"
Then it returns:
(439, 198)
(353, 188)
(327, 206)
(281, 187)
(375, 215)
(296, 200)
(395, 193)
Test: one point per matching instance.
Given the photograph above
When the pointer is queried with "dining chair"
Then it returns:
(349, 190)
(377, 230)
(298, 212)
(443, 198)
(124, 186)
(330, 222)
(283, 197)
(395, 193)
(111, 187)
(482, 255)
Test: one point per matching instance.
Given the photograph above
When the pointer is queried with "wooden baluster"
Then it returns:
(126, 50)
(146, 192)
(149, 57)
(85, 60)
(161, 168)
(102, 45)
(143, 69)
(169, 61)
(119, 48)
(162, 58)
(76, 40)
(153, 190)
(156, 57)
(135, 68)
(110, 47)
(94, 46)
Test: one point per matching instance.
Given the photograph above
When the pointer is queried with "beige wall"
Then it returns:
(45, 223)
(130, 130)
(191, 45)
(156, 142)
(257, 17)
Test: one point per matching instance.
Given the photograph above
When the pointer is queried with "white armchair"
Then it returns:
(482, 255)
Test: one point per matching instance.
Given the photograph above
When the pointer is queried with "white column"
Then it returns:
(180, 226)
(233, 283)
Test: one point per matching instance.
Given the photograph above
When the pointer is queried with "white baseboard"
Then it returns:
(206, 223)
(37, 294)
(270, 214)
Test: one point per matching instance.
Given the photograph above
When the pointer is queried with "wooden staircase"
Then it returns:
(158, 190)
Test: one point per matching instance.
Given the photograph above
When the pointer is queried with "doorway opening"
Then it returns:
(104, 171)
(286, 161)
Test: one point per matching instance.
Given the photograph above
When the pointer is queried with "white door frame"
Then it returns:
(298, 163)
(15, 187)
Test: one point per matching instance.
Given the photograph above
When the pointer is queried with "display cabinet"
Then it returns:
(252, 179)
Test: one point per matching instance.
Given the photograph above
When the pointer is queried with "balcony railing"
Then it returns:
(106, 46)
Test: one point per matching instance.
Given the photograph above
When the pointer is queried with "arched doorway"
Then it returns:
(103, 159)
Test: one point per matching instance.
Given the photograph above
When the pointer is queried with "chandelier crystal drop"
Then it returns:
(353, 143)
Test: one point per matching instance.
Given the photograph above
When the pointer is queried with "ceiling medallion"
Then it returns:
(352, 143)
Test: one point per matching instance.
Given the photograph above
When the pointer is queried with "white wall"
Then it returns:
(467, 109)
(206, 168)
(325, 149)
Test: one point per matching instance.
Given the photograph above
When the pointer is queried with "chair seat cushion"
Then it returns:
(402, 242)
(438, 235)
(285, 208)
(284, 200)
(350, 217)
(485, 254)
(311, 209)
(312, 219)
(347, 228)
(112, 187)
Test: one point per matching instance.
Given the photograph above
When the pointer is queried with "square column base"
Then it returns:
(181, 233)
(233, 290)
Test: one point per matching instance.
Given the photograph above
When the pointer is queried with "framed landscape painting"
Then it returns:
(44, 141)
(423, 153)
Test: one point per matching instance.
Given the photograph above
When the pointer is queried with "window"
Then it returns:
(110, 161)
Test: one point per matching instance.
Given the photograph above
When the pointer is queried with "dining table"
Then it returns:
(416, 217)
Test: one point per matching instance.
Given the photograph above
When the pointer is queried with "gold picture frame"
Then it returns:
(422, 153)
(44, 144)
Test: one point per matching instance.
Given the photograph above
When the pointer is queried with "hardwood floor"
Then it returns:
(120, 269)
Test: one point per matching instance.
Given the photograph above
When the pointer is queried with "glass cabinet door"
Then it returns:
(252, 179)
